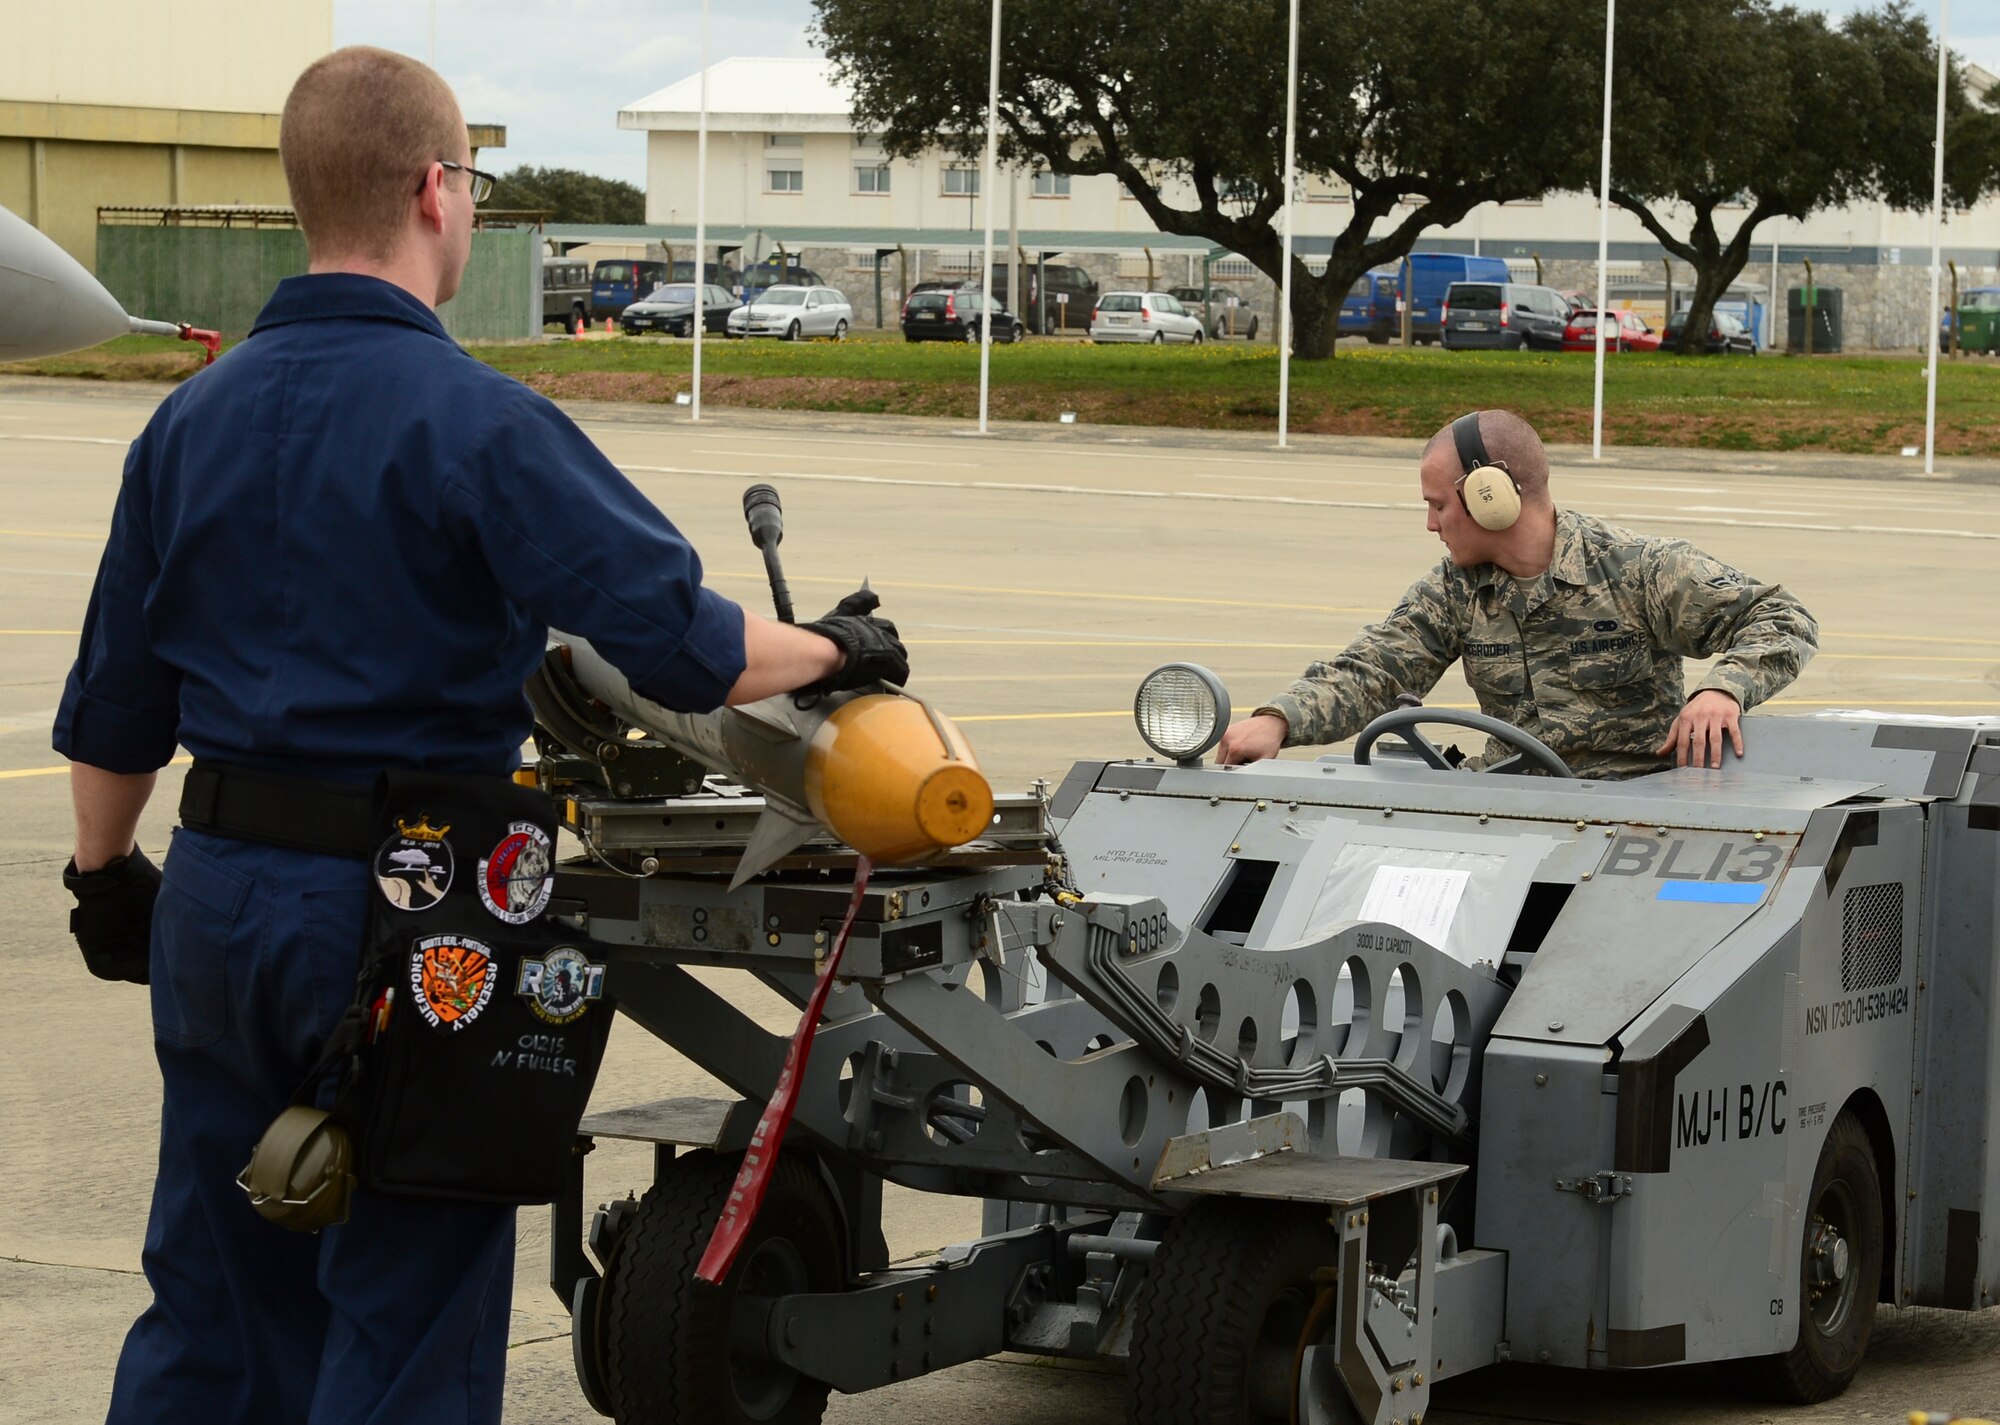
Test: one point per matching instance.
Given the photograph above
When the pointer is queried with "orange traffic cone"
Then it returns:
(607, 326)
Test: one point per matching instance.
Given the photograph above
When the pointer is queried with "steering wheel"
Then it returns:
(1529, 750)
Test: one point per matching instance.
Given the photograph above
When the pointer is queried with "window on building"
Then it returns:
(784, 141)
(1326, 190)
(1051, 185)
(784, 180)
(961, 181)
(871, 178)
(1231, 267)
(1237, 193)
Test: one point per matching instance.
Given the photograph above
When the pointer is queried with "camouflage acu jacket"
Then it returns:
(1587, 656)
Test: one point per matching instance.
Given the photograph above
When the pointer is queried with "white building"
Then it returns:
(785, 156)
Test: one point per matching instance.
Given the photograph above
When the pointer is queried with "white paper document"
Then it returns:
(1419, 899)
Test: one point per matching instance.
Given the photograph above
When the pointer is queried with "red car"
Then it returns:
(1632, 333)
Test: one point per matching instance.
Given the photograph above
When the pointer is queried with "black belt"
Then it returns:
(296, 813)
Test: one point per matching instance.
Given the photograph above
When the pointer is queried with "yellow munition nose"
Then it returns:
(895, 783)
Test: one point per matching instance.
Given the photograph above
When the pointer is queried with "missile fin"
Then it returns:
(777, 834)
(769, 716)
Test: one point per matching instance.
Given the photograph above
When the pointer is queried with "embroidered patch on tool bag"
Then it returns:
(413, 868)
(481, 1024)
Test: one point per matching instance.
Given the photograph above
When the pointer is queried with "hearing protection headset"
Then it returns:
(1487, 488)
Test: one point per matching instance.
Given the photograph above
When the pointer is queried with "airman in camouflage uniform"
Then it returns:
(1584, 651)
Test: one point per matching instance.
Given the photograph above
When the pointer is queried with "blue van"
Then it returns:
(616, 284)
(1369, 309)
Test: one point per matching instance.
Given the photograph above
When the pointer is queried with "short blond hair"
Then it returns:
(360, 127)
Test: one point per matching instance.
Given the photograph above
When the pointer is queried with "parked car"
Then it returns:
(1503, 315)
(616, 283)
(762, 276)
(1372, 311)
(793, 313)
(722, 274)
(1064, 306)
(1725, 334)
(565, 292)
(1624, 331)
(1143, 316)
(670, 309)
(955, 314)
(1369, 308)
(1222, 315)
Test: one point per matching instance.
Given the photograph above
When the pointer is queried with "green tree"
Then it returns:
(569, 196)
(1419, 110)
(1733, 105)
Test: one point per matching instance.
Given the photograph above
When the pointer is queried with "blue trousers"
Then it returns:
(400, 1314)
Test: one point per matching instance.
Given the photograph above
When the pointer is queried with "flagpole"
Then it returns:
(986, 183)
(1285, 277)
(700, 221)
(1603, 241)
(1937, 244)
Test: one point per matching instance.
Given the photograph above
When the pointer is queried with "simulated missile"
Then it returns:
(49, 305)
(886, 773)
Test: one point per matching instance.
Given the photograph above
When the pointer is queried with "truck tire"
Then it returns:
(1840, 1272)
(1223, 1306)
(664, 1337)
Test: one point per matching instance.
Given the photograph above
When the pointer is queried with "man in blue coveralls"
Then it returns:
(337, 551)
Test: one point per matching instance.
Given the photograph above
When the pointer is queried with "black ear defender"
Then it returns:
(1487, 488)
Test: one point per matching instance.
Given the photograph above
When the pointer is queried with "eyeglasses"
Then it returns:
(482, 183)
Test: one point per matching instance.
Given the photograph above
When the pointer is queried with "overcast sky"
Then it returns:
(556, 73)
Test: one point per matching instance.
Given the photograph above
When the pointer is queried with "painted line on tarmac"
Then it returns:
(1028, 717)
(1164, 645)
(1398, 506)
(53, 573)
(758, 575)
(66, 439)
(1790, 702)
(52, 534)
(41, 632)
(855, 459)
(15, 773)
(1169, 644)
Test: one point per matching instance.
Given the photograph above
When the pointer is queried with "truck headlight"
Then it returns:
(1181, 710)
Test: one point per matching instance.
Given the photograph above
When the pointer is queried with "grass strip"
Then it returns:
(1846, 404)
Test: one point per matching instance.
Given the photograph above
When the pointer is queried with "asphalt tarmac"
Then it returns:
(1037, 575)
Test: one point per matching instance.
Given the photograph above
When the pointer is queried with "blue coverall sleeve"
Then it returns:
(582, 549)
(120, 709)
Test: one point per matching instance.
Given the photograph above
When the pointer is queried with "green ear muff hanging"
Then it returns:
(301, 1173)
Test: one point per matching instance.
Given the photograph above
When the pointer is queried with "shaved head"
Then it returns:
(1511, 442)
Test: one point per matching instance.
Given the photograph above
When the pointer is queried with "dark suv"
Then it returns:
(1505, 316)
(1725, 334)
(1065, 306)
(954, 314)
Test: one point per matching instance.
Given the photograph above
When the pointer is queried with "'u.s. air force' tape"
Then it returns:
(1715, 893)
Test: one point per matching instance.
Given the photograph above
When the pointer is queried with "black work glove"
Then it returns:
(874, 653)
(113, 919)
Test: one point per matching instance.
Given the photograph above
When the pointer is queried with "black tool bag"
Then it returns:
(478, 1025)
